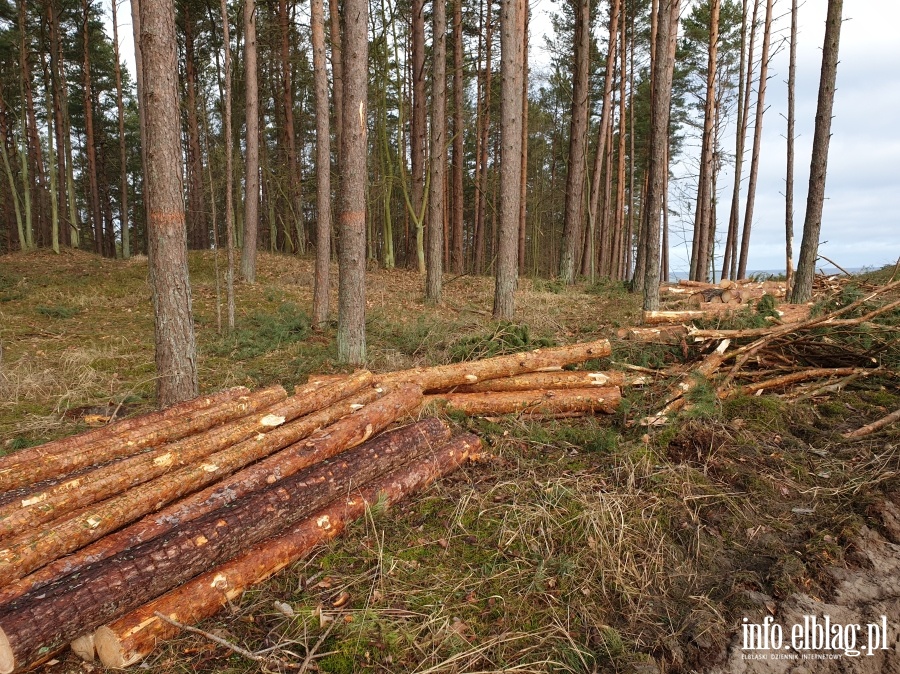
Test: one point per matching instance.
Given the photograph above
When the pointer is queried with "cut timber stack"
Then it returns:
(179, 511)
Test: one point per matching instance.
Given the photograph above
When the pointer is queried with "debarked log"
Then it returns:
(54, 502)
(134, 636)
(584, 400)
(116, 447)
(73, 605)
(443, 377)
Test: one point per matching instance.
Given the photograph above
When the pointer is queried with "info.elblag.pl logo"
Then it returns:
(816, 637)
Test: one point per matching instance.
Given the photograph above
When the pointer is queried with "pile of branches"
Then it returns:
(796, 360)
(114, 539)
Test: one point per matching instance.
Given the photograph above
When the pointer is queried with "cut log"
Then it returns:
(603, 399)
(443, 377)
(72, 606)
(40, 507)
(664, 334)
(550, 381)
(33, 551)
(133, 637)
(704, 310)
(75, 443)
(133, 442)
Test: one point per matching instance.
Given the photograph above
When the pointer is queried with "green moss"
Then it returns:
(58, 312)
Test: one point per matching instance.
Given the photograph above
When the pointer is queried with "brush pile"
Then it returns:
(797, 359)
(112, 538)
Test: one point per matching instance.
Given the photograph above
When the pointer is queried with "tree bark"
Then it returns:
(418, 130)
(198, 237)
(123, 157)
(251, 195)
(482, 153)
(176, 347)
(134, 636)
(574, 208)
(512, 59)
(661, 96)
(434, 268)
(457, 261)
(351, 337)
(443, 377)
(124, 582)
(815, 196)
(789, 177)
(229, 168)
(90, 144)
(757, 141)
(323, 167)
(218, 494)
(337, 75)
(139, 86)
(588, 400)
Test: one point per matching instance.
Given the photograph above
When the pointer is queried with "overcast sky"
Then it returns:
(861, 219)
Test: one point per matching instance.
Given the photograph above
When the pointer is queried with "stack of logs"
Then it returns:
(687, 301)
(177, 512)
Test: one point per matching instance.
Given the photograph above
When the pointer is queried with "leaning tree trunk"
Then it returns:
(512, 59)
(818, 171)
(351, 337)
(176, 347)
(436, 243)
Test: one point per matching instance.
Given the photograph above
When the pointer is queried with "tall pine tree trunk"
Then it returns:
(818, 170)
(457, 262)
(434, 273)
(789, 178)
(229, 170)
(123, 157)
(351, 336)
(176, 350)
(287, 93)
(419, 130)
(89, 140)
(323, 166)
(251, 196)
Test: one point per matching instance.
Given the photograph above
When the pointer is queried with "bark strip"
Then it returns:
(134, 636)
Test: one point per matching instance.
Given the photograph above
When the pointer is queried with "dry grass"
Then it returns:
(577, 546)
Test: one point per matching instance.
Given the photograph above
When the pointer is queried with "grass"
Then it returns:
(581, 545)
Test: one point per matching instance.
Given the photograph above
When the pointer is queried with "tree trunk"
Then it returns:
(418, 130)
(229, 170)
(757, 141)
(351, 337)
(457, 261)
(443, 377)
(139, 86)
(68, 609)
(574, 209)
(663, 67)
(482, 155)
(434, 268)
(251, 196)
(176, 347)
(134, 636)
(123, 157)
(90, 144)
(337, 75)
(523, 182)
(287, 92)
(512, 57)
(702, 222)
(789, 177)
(323, 167)
(198, 237)
(729, 261)
(61, 161)
(815, 197)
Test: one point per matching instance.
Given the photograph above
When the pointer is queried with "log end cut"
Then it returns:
(109, 649)
(7, 657)
(83, 647)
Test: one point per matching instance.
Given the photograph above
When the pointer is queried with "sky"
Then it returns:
(861, 218)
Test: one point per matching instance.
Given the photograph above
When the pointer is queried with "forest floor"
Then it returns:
(577, 545)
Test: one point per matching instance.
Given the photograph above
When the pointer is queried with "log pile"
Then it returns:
(177, 512)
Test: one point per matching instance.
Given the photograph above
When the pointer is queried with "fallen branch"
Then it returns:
(792, 378)
(868, 429)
